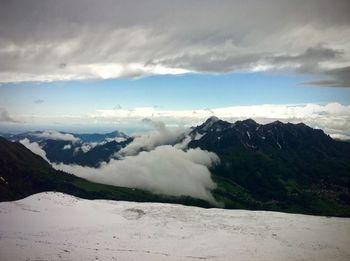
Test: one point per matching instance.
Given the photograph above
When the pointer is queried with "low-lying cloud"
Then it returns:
(56, 135)
(67, 147)
(148, 141)
(87, 146)
(35, 148)
(164, 170)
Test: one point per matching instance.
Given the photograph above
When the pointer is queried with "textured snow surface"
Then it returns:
(55, 226)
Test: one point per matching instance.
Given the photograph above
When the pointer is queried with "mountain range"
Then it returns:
(276, 166)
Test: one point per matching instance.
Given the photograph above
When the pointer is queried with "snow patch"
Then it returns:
(59, 226)
(279, 145)
(198, 136)
(3, 180)
(209, 123)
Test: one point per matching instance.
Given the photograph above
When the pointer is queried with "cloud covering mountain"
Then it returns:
(164, 170)
(151, 164)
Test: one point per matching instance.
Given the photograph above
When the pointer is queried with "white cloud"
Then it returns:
(85, 147)
(34, 147)
(117, 139)
(184, 143)
(56, 135)
(340, 136)
(149, 140)
(67, 147)
(164, 170)
(334, 118)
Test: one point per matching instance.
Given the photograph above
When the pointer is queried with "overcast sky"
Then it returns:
(110, 62)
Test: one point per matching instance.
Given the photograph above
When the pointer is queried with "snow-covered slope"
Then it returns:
(55, 226)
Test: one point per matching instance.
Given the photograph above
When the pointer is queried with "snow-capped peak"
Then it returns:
(209, 122)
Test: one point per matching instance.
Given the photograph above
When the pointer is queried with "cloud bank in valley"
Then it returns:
(164, 170)
(84, 39)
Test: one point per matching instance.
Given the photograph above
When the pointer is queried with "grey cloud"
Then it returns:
(214, 62)
(84, 39)
(336, 78)
(39, 101)
(310, 62)
(310, 59)
(5, 116)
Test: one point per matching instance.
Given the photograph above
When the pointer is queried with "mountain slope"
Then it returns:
(23, 173)
(277, 166)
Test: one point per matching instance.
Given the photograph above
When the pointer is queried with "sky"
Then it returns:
(97, 66)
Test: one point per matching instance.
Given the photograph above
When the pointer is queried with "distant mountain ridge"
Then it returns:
(282, 166)
(71, 148)
(253, 135)
(35, 136)
(100, 137)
